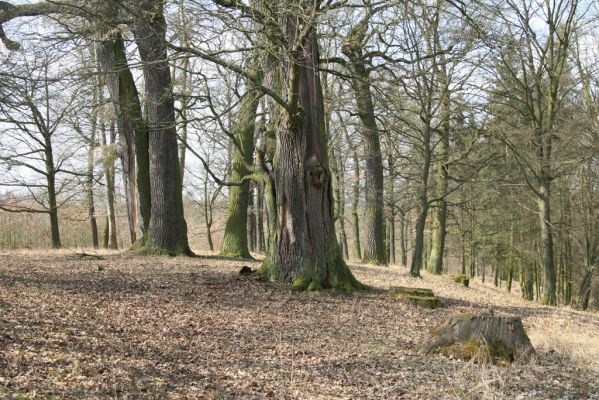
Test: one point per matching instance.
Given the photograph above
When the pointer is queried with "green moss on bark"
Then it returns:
(146, 246)
(333, 273)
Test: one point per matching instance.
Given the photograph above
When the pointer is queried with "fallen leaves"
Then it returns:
(194, 328)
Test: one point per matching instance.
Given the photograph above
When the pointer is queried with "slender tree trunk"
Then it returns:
(357, 253)
(109, 174)
(51, 185)
(260, 240)
(510, 260)
(403, 239)
(89, 186)
(168, 226)
(549, 280)
(106, 233)
(374, 249)
(235, 241)
(392, 210)
(251, 220)
(441, 178)
(339, 201)
(423, 205)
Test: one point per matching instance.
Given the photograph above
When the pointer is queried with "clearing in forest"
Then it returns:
(156, 327)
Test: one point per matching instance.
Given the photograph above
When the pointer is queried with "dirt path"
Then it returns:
(128, 327)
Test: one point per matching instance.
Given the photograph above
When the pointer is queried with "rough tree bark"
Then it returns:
(168, 226)
(306, 253)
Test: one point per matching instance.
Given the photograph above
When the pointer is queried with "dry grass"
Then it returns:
(171, 328)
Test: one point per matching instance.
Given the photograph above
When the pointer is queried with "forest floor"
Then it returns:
(127, 327)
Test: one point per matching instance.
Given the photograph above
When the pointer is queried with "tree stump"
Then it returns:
(418, 296)
(463, 279)
(485, 336)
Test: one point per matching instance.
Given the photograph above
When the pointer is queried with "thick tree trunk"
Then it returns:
(168, 226)
(235, 241)
(306, 253)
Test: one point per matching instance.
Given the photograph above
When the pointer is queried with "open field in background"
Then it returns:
(129, 327)
(32, 231)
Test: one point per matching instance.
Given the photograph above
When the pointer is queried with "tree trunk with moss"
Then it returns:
(306, 253)
(168, 226)
(235, 240)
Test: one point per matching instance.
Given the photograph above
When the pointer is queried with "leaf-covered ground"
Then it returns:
(128, 327)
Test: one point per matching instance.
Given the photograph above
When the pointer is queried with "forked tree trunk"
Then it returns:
(131, 126)
(306, 252)
(168, 226)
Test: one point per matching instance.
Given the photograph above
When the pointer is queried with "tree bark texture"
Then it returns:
(168, 226)
(306, 253)
(235, 241)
